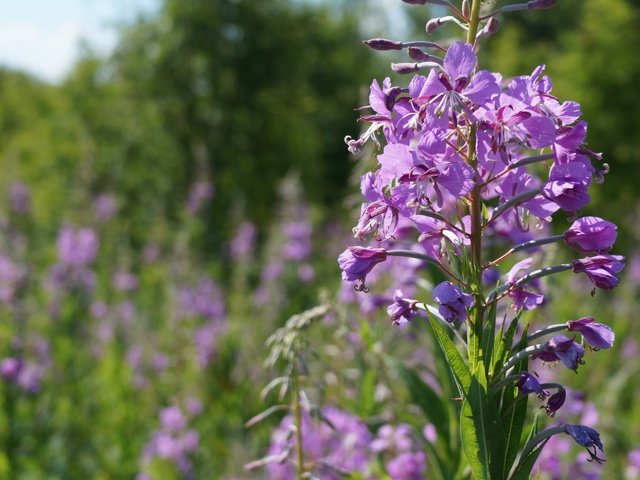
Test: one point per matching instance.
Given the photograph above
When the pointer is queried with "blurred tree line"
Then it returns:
(239, 92)
(236, 93)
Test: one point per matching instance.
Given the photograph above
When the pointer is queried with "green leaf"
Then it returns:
(525, 466)
(505, 342)
(455, 360)
(474, 448)
(481, 430)
(488, 336)
(514, 412)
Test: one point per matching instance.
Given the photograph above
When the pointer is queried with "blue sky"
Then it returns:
(42, 36)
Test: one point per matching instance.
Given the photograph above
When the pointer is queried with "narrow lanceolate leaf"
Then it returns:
(481, 430)
(523, 472)
(525, 465)
(504, 342)
(488, 336)
(455, 360)
(429, 401)
(514, 413)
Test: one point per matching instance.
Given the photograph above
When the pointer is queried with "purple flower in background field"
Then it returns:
(297, 240)
(124, 281)
(205, 299)
(199, 194)
(172, 441)
(596, 334)
(243, 242)
(19, 198)
(452, 301)
(357, 262)
(10, 368)
(12, 276)
(633, 464)
(77, 247)
(329, 452)
(206, 340)
(105, 207)
(591, 235)
(602, 270)
(562, 349)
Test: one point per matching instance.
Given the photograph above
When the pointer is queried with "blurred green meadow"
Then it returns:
(165, 209)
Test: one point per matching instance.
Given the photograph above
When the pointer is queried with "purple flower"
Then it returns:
(357, 262)
(455, 86)
(77, 247)
(602, 270)
(596, 334)
(105, 207)
(244, 240)
(172, 419)
(563, 349)
(199, 193)
(527, 384)
(567, 186)
(453, 302)
(402, 309)
(591, 234)
(10, 368)
(407, 466)
(124, 281)
(588, 438)
(19, 198)
(555, 401)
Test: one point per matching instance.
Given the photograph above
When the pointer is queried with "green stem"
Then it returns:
(297, 415)
(474, 21)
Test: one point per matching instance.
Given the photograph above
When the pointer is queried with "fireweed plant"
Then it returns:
(477, 165)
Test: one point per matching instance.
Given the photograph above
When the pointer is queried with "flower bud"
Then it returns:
(433, 24)
(540, 4)
(383, 44)
(418, 55)
(405, 68)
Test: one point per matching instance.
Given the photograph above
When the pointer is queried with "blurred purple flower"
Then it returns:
(19, 198)
(199, 193)
(407, 466)
(12, 275)
(306, 273)
(124, 281)
(10, 368)
(105, 207)
(297, 242)
(244, 241)
(205, 300)
(77, 247)
(327, 450)
(172, 419)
